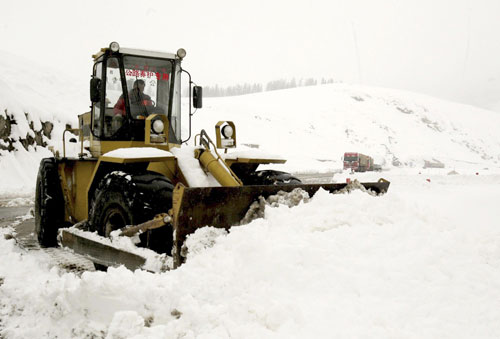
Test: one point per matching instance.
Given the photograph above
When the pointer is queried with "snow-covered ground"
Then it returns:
(422, 261)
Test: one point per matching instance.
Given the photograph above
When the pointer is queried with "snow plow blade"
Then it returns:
(100, 253)
(223, 207)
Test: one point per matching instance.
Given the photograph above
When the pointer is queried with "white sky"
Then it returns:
(447, 48)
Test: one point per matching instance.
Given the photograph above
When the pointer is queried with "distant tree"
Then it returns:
(238, 89)
(310, 82)
(273, 85)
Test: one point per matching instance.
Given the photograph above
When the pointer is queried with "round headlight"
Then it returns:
(181, 53)
(158, 126)
(114, 46)
(227, 131)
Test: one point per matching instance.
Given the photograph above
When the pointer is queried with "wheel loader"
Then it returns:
(133, 173)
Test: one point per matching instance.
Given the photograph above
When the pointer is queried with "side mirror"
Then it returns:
(95, 89)
(197, 96)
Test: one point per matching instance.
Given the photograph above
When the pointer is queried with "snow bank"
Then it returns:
(422, 261)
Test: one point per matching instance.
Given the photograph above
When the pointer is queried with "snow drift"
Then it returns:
(421, 261)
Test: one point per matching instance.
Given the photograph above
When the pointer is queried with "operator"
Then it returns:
(138, 100)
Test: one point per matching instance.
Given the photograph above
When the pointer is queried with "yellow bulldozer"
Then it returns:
(132, 174)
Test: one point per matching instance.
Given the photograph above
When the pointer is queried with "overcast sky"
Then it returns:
(446, 48)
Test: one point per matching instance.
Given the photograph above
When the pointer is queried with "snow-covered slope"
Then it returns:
(395, 127)
(41, 92)
(31, 94)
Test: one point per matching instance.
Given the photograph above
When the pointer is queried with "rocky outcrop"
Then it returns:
(33, 137)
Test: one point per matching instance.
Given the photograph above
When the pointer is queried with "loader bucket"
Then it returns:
(223, 207)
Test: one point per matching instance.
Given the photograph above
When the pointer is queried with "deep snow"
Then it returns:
(422, 261)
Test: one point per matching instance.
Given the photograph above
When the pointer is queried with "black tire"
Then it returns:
(271, 177)
(123, 199)
(157, 191)
(49, 203)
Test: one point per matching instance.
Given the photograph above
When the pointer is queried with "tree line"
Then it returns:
(247, 88)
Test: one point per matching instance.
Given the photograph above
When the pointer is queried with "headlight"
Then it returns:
(227, 131)
(158, 126)
(114, 46)
(181, 53)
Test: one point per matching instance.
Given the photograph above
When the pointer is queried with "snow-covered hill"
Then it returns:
(397, 128)
(31, 96)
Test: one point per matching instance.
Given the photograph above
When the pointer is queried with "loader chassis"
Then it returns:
(80, 177)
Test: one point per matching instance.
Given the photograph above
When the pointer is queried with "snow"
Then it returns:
(422, 261)
(313, 126)
(250, 154)
(41, 92)
(138, 152)
(190, 167)
(19, 170)
(33, 93)
(16, 202)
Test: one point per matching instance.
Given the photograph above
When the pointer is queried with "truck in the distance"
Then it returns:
(358, 162)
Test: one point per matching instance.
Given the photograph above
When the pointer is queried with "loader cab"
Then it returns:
(127, 86)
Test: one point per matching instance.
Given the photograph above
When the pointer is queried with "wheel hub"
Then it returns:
(115, 219)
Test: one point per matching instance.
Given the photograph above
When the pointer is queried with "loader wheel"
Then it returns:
(270, 177)
(123, 199)
(157, 191)
(49, 203)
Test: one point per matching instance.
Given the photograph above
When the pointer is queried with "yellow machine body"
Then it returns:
(80, 176)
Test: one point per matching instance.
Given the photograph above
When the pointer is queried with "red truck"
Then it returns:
(358, 162)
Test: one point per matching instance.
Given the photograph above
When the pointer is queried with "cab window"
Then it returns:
(114, 114)
(96, 106)
(148, 83)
